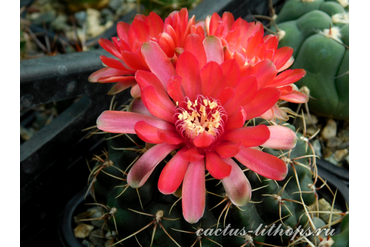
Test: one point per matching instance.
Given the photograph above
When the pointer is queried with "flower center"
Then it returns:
(203, 115)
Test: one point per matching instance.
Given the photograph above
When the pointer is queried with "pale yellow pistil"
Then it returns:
(197, 121)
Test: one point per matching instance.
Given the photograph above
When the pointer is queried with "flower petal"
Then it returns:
(213, 48)
(265, 98)
(216, 166)
(158, 62)
(187, 67)
(227, 149)
(237, 186)
(133, 61)
(211, 74)
(174, 89)
(281, 138)
(282, 56)
(287, 77)
(248, 136)
(194, 192)
(192, 155)
(105, 72)
(163, 109)
(236, 120)
(146, 164)
(116, 64)
(120, 86)
(231, 72)
(124, 122)
(203, 140)
(194, 44)
(262, 163)
(147, 133)
(109, 47)
(265, 71)
(172, 174)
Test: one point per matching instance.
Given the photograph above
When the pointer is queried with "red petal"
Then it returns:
(147, 133)
(282, 56)
(122, 31)
(105, 72)
(155, 24)
(245, 91)
(158, 62)
(227, 94)
(203, 140)
(146, 78)
(172, 174)
(231, 72)
(287, 77)
(165, 41)
(109, 47)
(248, 136)
(114, 63)
(125, 79)
(236, 120)
(158, 106)
(194, 44)
(146, 164)
(192, 155)
(214, 23)
(262, 163)
(216, 166)
(237, 186)
(175, 90)
(211, 74)
(138, 106)
(133, 61)
(295, 97)
(265, 71)
(187, 67)
(124, 122)
(170, 137)
(264, 100)
(194, 192)
(227, 149)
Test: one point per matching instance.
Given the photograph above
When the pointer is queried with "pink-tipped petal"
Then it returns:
(146, 78)
(216, 166)
(262, 163)
(109, 79)
(105, 72)
(160, 107)
(194, 192)
(138, 106)
(214, 50)
(248, 136)
(281, 138)
(172, 174)
(124, 122)
(114, 63)
(295, 97)
(236, 185)
(158, 62)
(135, 91)
(146, 164)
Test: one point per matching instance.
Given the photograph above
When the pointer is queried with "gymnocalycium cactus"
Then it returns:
(201, 94)
(318, 31)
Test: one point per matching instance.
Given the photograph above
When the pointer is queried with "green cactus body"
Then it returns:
(146, 216)
(318, 31)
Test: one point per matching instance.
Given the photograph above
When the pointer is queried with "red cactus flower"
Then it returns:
(199, 109)
(246, 43)
(169, 34)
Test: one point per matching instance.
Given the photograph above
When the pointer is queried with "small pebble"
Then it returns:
(333, 142)
(83, 230)
(339, 155)
(317, 147)
(330, 129)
